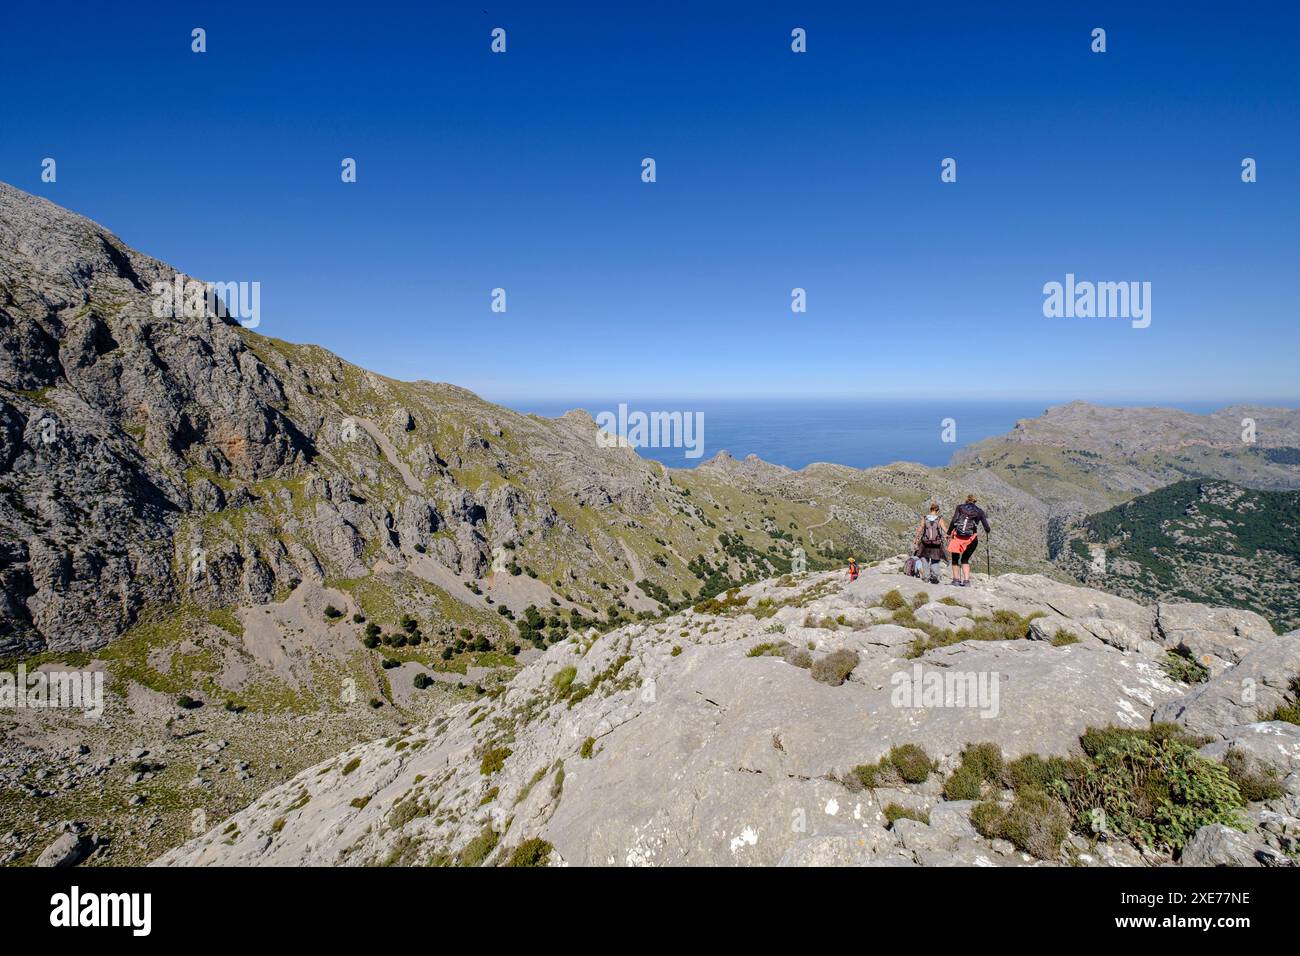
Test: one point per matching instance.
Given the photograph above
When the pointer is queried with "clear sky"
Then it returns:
(775, 170)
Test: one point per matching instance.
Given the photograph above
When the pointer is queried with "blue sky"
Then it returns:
(775, 170)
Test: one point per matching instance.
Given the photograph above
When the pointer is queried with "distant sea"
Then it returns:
(860, 434)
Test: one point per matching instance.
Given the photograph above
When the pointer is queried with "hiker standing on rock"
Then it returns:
(963, 538)
(853, 569)
(928, 546)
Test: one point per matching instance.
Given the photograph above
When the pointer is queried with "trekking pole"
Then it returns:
(988, 556)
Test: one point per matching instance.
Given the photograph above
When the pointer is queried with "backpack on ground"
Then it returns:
(910, 567)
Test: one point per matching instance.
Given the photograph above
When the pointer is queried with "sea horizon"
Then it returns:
(857, 432)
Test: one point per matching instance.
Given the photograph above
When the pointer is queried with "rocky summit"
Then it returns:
(810, 720)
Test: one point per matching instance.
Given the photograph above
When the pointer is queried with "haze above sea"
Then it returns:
(858, 433)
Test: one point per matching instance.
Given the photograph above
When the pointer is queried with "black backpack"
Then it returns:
(967, 522)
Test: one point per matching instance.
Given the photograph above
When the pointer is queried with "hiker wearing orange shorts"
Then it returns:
(963, 538)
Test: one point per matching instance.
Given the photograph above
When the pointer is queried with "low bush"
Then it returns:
(1035, 823)
(494, 760)
(834, 667)
(799, 658)
(1183, 667)
(533, 852)
(896, 811)
(1149, 784)
(913, 764)
(893, 600)
(477, 850)
(563, 680)
(908, 763)
(980, 764)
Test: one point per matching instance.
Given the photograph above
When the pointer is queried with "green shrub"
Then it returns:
(186, 702)
(1033, 772)
(873, 775)
(494, 760)
(1154, 788)
(1149, 785)
(477, 850)
(1035, 823)
(985, 759)
(534, 852)
(963, 784)
(588, 746)
(351, 765)
(332, 613)
(912, 763)
(904, 764)
(980, 764)
(893, 600)
(1185, 668)
(423, 680)
(1063, 638)
(563, 680)
(1001, 626)
(986, 818)
(896, 811)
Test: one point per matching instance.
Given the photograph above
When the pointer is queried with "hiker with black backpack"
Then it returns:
(964, 538)
(930, 535)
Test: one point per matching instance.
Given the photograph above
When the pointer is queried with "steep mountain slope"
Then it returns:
(1209, 541)
(782, 725)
